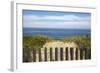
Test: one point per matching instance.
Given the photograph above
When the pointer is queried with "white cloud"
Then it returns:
(66, 21)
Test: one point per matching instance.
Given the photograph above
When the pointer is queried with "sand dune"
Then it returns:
(59, 44)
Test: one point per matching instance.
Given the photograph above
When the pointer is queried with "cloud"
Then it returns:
(65, 21)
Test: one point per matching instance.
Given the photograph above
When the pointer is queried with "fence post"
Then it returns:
(71, 53)
(34, 55)
(51, 58)
(56, 54)
(76, 54)
(45, 54)
(81, 53)
(61, 53)
(40, 59)
(23, 54)
(86, 53)
(66, 53)
(28, 53)
(89, 53)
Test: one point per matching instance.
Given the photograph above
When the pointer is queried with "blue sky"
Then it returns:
(54, 19)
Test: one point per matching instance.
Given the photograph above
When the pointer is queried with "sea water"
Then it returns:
(55, 33)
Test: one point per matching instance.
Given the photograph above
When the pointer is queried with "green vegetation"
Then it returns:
(35, 41)
(39, 40)
(81, 41)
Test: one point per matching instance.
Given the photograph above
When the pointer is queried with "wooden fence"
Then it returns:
(55, 54)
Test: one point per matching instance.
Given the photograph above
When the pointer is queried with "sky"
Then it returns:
(55, 19)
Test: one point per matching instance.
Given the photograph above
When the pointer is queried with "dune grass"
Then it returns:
(38, 41)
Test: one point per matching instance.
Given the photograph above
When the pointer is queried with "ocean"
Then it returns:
(55, 33)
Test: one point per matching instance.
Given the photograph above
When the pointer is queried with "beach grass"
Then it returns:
(37, 41)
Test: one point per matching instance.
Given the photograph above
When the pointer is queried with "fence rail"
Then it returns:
(55, 54)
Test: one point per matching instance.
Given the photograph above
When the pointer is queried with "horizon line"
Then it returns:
(55, 28)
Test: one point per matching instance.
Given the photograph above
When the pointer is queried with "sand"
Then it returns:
(59, 44)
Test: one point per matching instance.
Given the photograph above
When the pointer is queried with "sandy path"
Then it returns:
(59, 44)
